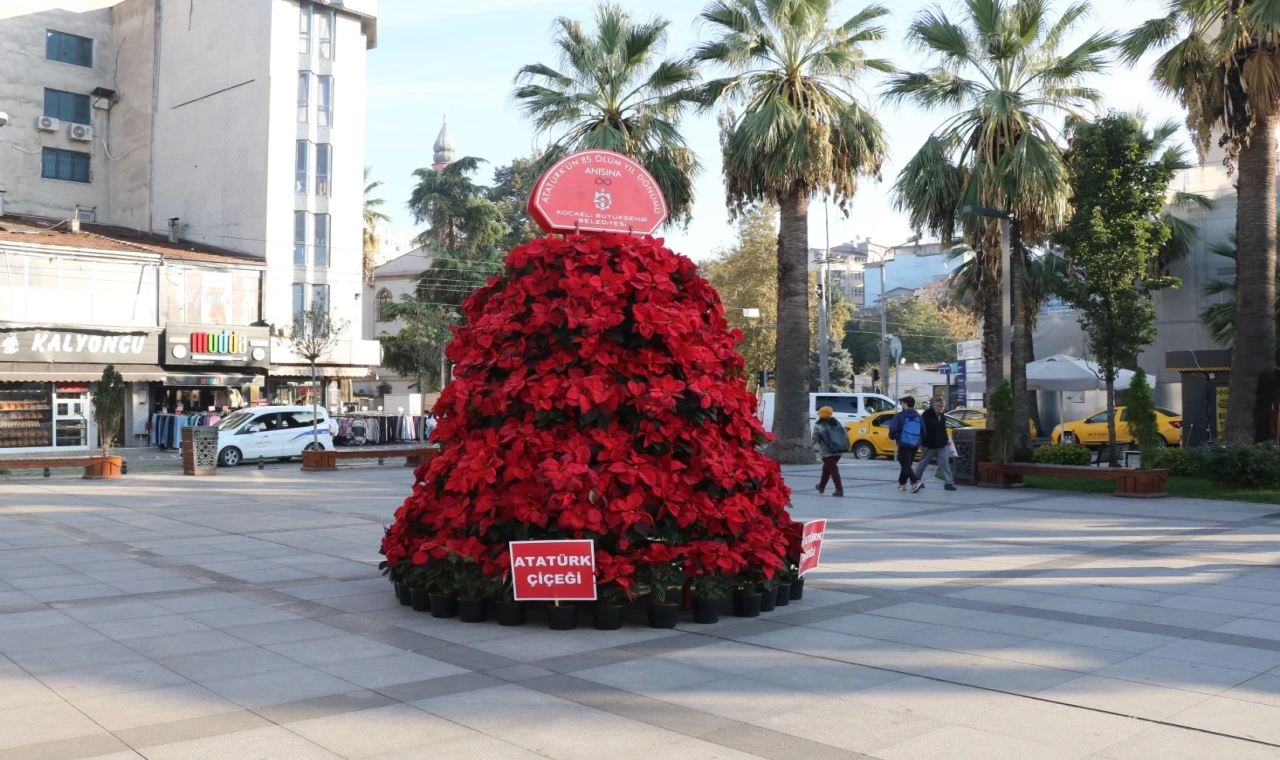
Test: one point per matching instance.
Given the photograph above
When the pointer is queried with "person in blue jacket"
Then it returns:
(908, 430)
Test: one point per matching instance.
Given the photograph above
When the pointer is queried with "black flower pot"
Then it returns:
(420, 599)
(563, 617)
(797, 589)
(608, 617)
(768, 599)
(472, 610)
(444, 605)
(783, 597)
(404, 594)
(746, 604)
(706, 611)
(510, 613)
(663, 615)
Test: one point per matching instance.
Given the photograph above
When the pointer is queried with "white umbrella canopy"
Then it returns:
(1064, 373)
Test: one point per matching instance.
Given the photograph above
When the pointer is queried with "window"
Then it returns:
(261, 424)
(296, 419)
(324, 165)
(324, 102)
(300, 163)
(321, 240)
(66, 106)
(874, 404)
(838, 404)
(68, 48)
(304, 96)
(324, 33)
(304, 27)
(69, 165)
(857, 276)
(299, 299)
(1167, 412)
(384, 304)
(299, 238)
(320, 298)
(882, 421)
(86, 214)
(1097, 418)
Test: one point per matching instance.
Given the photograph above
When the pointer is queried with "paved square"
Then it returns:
(243, 616)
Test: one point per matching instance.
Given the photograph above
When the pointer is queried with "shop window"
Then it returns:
(69, 165)
(66, 106)
(68, 48)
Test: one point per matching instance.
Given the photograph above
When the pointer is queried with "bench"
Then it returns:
(1135, 484)
(327, 460)
(95, 467)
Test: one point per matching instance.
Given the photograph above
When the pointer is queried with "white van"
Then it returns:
(271, 432)
(847, 407)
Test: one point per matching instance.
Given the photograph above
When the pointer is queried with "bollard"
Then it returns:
(261, 466)
(46, 472)
(379, 460)
(124, 467)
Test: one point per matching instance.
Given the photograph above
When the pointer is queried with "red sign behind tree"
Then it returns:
(554, 570)
(598, 190)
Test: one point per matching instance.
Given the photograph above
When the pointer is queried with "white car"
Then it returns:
(847, 407)
(271, 432)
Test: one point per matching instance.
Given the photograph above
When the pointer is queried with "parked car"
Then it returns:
(1092, 430)
(271, 432)
(847, 407)
(869, 438)
(976, 416)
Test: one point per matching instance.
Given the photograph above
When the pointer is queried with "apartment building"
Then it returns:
(227, 125)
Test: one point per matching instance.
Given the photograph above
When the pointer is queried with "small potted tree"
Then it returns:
(108, 409)
(663, 580)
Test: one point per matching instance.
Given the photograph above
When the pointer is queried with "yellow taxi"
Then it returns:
(869, 437)
(1092, 430)
(976, 416)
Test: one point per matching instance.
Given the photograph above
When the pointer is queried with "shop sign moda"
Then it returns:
(553, 570)
(69, 346)
(196, 345)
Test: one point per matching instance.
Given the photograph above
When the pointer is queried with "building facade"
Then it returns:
(218, 125)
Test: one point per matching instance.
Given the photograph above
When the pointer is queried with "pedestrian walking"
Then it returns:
(832, 441)
(908, 430)
(935, 445)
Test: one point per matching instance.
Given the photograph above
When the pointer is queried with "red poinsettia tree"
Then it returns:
(597, 394)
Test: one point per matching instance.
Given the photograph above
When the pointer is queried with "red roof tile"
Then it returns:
(103, 237)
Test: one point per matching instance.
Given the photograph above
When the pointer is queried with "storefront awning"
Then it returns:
(211, 380)
(305, 371)
(46, 372)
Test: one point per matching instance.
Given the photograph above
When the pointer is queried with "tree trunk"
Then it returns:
(1020, 341)
(1253, 353)
(1111, 419)
(315, 400)
(989, 287)
(1033, 397)
(791, 443)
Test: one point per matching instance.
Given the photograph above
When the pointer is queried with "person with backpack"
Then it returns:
(832, 441)
(908, 430)
(935, 444)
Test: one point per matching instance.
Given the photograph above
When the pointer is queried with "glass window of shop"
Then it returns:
(212, 297)
(76, 290)
(44, 415)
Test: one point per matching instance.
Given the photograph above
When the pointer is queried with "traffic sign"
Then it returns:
(895, 347)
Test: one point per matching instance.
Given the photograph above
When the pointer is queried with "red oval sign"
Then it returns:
(598, 190)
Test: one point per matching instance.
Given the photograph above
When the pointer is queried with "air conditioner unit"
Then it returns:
(80, 132)
(48, 124)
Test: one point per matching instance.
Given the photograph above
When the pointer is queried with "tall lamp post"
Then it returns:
(884, 309)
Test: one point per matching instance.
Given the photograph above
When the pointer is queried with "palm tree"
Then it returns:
(1220, 318)
(1221, 58)
(1002, 72)
(611, 93)
(801, 131)
(372, 218)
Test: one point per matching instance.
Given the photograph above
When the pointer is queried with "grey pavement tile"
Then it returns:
(324, 707)
(826, 678)
(1140, 700)
(176, 645)
(1252, 627)
(1173, 743)
(734, 658)
(1107, 638)
(848, 726)
(241, 616)
(1055, 654)
(391, 669)
(159, 625)
(1264, 689)
(123, 610)
(218, 724)
(958, 639)
(278, 687)
(762, 742)
(41, 661)
(668, 644)
(473, 746)
(469, 658)
(939, 700)
(741, 698)
(929, 613)
(580, 690)
(102, 746)
(595, 658)
(518, 673)
(964, 743)
(1234, 717)
(143, 708)
(304, 609)
(73, 593)
(399, 637)
(228, 663)
(669, 715)
(378, 731)
(334, 649)
(1198, 603)
(1177, 674)
(270, 742)
(351, 623)
(1013, 625)
(440, 687)
(741, 630)
(1054, 725)
(20, 690)
(1221, 655)
(118, 678)
(807, 617)
(264, 634)
(204, 602)
(1168, 616)
(652, 676)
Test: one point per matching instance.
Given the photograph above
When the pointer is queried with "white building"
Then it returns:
(233, 124)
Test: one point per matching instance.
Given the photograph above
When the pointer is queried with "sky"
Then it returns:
(460, 56)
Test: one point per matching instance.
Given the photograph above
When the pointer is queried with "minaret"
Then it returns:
(444, 147)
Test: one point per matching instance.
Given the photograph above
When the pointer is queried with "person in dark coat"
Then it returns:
(908, 430)
(934, 444)
(832, 441)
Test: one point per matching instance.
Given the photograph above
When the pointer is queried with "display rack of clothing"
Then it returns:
(166, 429)
(368, 428)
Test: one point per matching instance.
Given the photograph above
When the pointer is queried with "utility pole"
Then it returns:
(824, 377)
(884, 332)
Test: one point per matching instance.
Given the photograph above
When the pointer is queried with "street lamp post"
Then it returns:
(884, 310)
